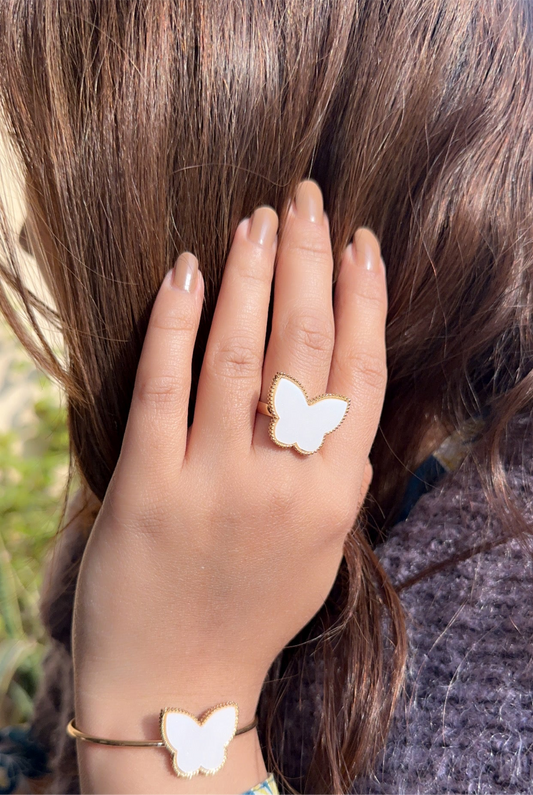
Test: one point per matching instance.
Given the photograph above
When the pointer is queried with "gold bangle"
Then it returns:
(74, 732)
(197, 746)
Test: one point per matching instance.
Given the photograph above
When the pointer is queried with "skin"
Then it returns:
(213, 546)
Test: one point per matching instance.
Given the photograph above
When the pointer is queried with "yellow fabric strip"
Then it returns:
(266, 787)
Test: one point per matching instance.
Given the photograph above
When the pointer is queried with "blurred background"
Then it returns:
(33, 471)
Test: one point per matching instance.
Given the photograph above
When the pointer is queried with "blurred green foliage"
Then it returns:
(33, 472)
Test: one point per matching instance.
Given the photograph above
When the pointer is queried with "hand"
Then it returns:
(213, 546)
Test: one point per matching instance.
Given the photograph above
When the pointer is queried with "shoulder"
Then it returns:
(466, 721)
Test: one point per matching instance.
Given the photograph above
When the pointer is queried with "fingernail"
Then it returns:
(263, 227)
(309, 202)
(367, 249)
(185, 272)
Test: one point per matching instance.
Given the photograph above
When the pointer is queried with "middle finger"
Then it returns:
(303, 326)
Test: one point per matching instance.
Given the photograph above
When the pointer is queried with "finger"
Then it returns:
(230, 379)
(156, 430)
(358, 367)
(303, 330)
(368, 474)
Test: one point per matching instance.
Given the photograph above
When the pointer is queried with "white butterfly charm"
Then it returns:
(299, 422)
(198, 746)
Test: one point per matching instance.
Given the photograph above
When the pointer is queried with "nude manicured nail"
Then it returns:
(367, 249)
(185, 272)
(309, 202)
(263, 227)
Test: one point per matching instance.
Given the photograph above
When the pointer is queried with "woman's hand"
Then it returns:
(213, 546)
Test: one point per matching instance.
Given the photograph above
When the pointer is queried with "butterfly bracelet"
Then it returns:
(197, 746)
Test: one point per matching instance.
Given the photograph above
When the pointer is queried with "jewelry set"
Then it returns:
(199, 746)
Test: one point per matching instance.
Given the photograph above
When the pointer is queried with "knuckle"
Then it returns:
(281, 498)
(150, 518)
(145, 509)
(333, 525)
(256, 267)
(311, 331)
(174, 320)
(159, 390)
(368, 476)
(313, 242)
(342, 517)
(372, 293)
(369, 367)
(236, 358)
(346, 515)
(370, 300)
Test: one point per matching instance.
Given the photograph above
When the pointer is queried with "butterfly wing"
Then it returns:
(184, 736)
(217, 731)
(323, 417)
(303, 424)
(291, 407)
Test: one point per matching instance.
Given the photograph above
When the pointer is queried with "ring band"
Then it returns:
(297, 421)
(262, 408)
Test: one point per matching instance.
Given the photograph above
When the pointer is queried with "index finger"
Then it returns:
(155, 437)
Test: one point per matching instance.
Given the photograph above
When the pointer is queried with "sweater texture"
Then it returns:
(465, 724)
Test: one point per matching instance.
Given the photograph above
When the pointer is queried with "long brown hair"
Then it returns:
(150, 127)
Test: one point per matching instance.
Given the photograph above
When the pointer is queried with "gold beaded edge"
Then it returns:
(200, 722)
(275, 417)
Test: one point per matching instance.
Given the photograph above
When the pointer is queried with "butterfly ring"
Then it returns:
(297, 421)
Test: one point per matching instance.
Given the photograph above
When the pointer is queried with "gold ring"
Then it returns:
(296, 421)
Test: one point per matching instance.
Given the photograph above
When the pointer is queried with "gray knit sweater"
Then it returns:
(466, 723)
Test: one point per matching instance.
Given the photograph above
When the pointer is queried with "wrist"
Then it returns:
(120, 711)
(140, 770)
(126, 715)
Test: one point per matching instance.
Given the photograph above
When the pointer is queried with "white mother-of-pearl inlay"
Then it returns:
(198, 746)
(298, 422)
